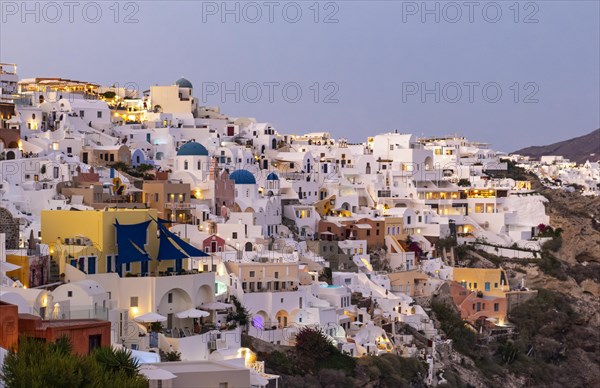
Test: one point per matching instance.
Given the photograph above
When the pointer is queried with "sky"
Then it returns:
(511, 73)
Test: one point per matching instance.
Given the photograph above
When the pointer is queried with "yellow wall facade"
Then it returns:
(475, 279)
(22, 273)
(96, 225)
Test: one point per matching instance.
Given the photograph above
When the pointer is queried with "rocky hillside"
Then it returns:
(557, 341)
(578, 149)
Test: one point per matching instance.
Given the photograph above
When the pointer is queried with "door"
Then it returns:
(91, 265)
(178, 265)
(84, 157)
(170, 321)
(144, 267)
(94, 342)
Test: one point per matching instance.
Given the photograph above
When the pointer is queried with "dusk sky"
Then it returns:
(373, 57)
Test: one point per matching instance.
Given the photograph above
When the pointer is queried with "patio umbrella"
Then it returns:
(216, 306)
(192, 313)
(149, 318)
(153, 373)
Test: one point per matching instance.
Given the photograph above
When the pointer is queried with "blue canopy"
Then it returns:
(173, 247)
(167, 250)
(131, 240)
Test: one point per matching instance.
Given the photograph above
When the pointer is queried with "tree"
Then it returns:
(314, 350)
(464, 182)
(38, 364)
(117, 360)
(240, 315)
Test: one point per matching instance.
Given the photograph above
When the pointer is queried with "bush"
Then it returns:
(172, 356)
(40, 365)
(394, 371)
(551, 266)
(464, 340)
(553, 245)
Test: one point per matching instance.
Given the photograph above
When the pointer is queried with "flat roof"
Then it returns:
(197, 366)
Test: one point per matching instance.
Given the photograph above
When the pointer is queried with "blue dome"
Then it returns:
(192, 149)
(243, 177)
(272, 177)
(183, 83)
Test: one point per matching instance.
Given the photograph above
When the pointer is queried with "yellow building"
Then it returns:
(22, 260)
(394, 226)
(87, 239)
(491, 282)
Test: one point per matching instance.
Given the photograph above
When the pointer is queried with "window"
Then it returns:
(487, 286)
(69, 150)
(276, 275)
(243, 285)
(133, 301)
(223, 385)
(495, 285)
(259, 285)
(475, 285)
(81, 113)
(170, 297)
(99, 114)
(496, 307)
(234, 235)
(252, 274)
(70, 294)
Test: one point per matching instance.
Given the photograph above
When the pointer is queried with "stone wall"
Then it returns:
(10, 227)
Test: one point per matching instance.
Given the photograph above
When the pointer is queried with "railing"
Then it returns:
(59, 313)
(178, 206)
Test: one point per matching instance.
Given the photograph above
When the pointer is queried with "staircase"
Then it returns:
(54, 275)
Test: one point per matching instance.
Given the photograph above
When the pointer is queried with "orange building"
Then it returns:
(9, 325)
(85, 334)
(474, 306)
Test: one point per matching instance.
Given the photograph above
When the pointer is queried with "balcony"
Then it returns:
(178, 206)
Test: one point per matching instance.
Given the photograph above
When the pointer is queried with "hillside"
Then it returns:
(578, 149)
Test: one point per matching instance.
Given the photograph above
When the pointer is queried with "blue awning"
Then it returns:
(167, 250)
(131, 240)
(172, 243)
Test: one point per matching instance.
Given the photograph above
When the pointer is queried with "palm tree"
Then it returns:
(117, 360)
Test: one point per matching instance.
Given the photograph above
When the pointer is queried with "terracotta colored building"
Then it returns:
(8, 137)
(213, 243)
(224, 188)
(474, 306)
(171, 199)
(85, 334)
(9, 325)
(371, 230)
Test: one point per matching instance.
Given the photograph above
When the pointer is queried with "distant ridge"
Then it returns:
(578, 149)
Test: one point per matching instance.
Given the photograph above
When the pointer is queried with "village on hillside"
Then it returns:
(145, 221)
